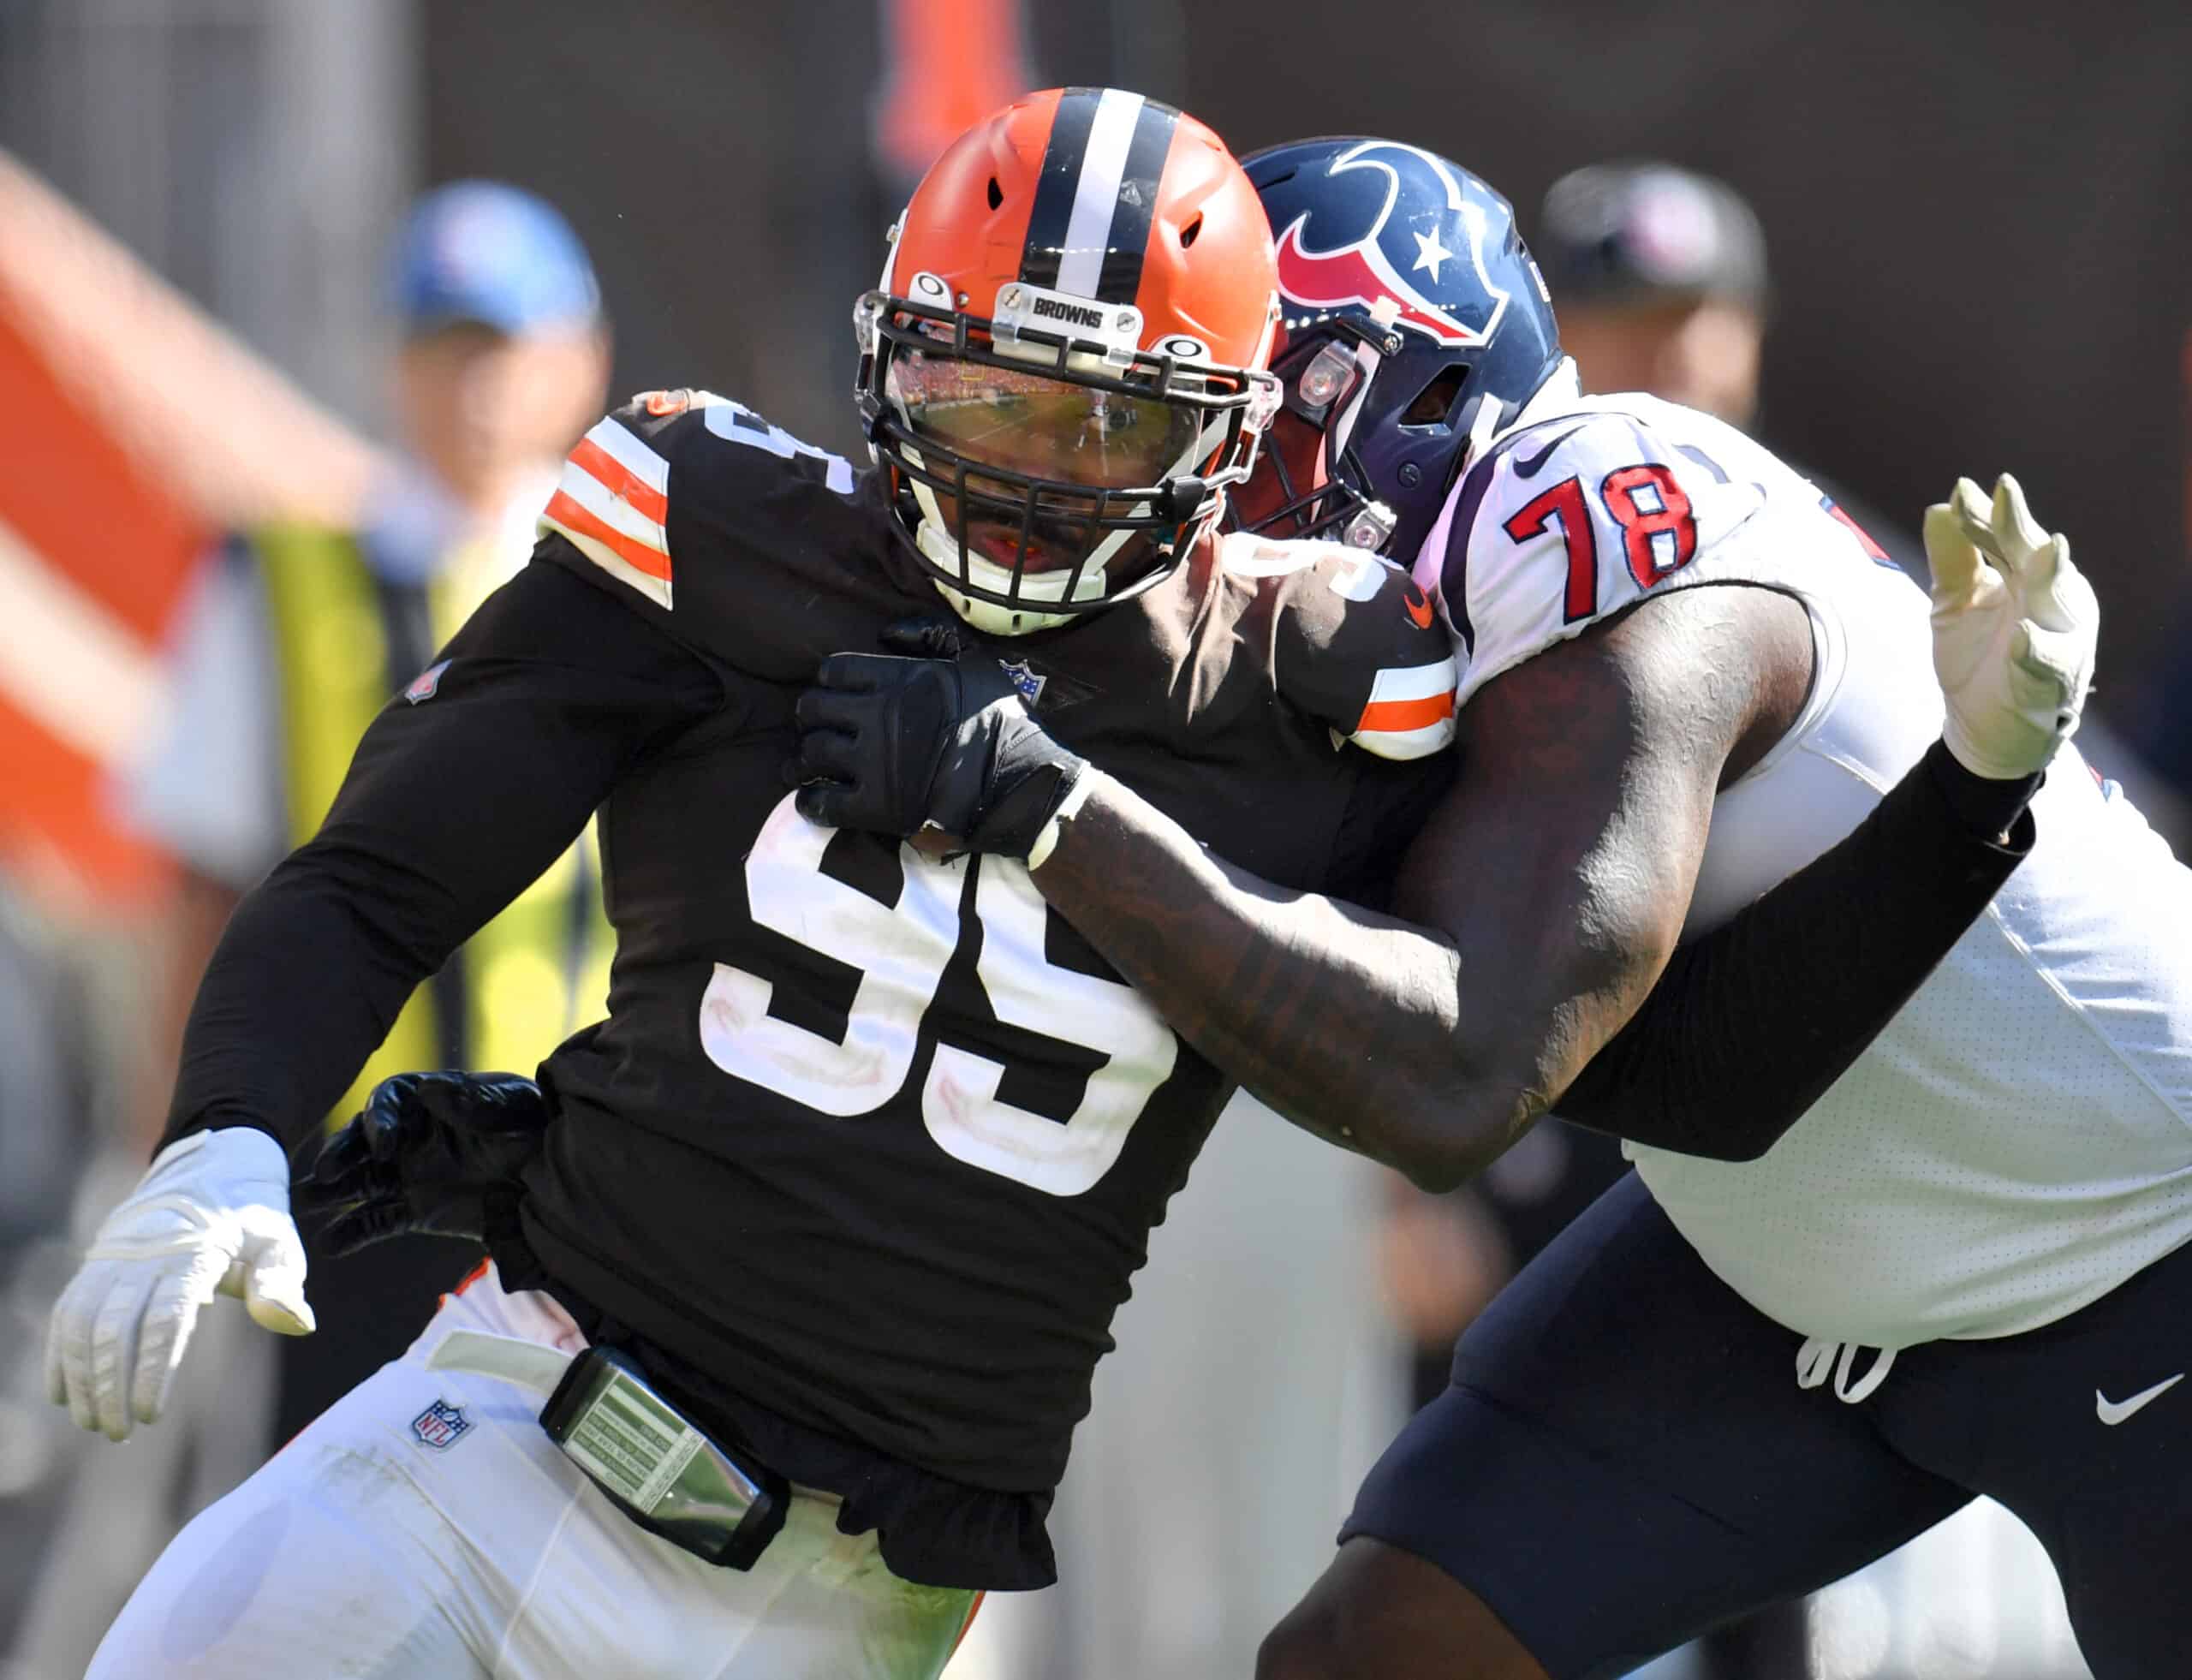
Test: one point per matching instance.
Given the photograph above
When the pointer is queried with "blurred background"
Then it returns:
(242, 397)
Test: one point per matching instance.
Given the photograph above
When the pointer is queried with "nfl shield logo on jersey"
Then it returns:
(440, 1425)
(426, 683)
(1024, 679)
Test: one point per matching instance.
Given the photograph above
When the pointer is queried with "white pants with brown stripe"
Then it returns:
(426, 1527)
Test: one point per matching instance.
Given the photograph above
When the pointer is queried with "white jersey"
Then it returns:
(2019, 1141)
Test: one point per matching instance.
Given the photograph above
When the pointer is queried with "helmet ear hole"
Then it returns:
(1187, 234)
(1434, 404)
(995, 194)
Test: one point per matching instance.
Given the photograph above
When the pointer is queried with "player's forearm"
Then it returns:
(1346, 1021)
(1354, 1025)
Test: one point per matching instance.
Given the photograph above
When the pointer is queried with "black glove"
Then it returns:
(893, 745)
(429, 1152)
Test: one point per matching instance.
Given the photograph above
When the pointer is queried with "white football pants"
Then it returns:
(426, 1527)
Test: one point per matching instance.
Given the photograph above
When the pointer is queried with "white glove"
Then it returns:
(210, 1216)
(2014, 627)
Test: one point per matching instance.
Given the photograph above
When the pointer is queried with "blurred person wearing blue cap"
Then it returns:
(501, 361)
(505, 356)
(502, 357)
(294, 637)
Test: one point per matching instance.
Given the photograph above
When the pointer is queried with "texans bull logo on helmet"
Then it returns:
(1425, 221)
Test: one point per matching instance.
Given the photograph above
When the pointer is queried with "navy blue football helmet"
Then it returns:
(1410, 307)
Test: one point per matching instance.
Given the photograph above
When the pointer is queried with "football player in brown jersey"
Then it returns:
(833, 1212)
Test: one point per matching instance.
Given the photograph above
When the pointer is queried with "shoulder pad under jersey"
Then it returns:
(1355, 643)
(673, 472)
(1573, 519)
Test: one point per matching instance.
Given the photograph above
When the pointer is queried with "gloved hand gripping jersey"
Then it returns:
(894, 745)
(438, 1153)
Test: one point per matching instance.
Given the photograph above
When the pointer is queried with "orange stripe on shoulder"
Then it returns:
(614, 475)
(1397, 715)
(566, 512)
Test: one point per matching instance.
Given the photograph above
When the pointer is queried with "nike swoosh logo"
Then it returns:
(1419, 607)
(1527, 466)
(2114, 1412)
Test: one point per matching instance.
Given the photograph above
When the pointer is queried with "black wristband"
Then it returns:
(1984, 807)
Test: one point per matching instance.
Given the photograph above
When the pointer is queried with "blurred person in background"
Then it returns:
(294, 638)
(302, 633)
(1659, 277)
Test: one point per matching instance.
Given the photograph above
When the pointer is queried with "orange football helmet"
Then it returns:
(1063, 367)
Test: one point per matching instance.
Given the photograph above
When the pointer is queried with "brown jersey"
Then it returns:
(870, 1142)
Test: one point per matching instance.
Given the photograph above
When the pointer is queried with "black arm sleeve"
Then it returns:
(452, 807)
(1749, 1025)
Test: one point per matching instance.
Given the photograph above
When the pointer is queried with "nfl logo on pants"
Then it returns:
(440, 1425)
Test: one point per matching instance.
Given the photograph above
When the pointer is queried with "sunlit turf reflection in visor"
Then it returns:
(1043, 428)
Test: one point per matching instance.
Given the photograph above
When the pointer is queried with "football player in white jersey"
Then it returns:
(1774, 1355)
